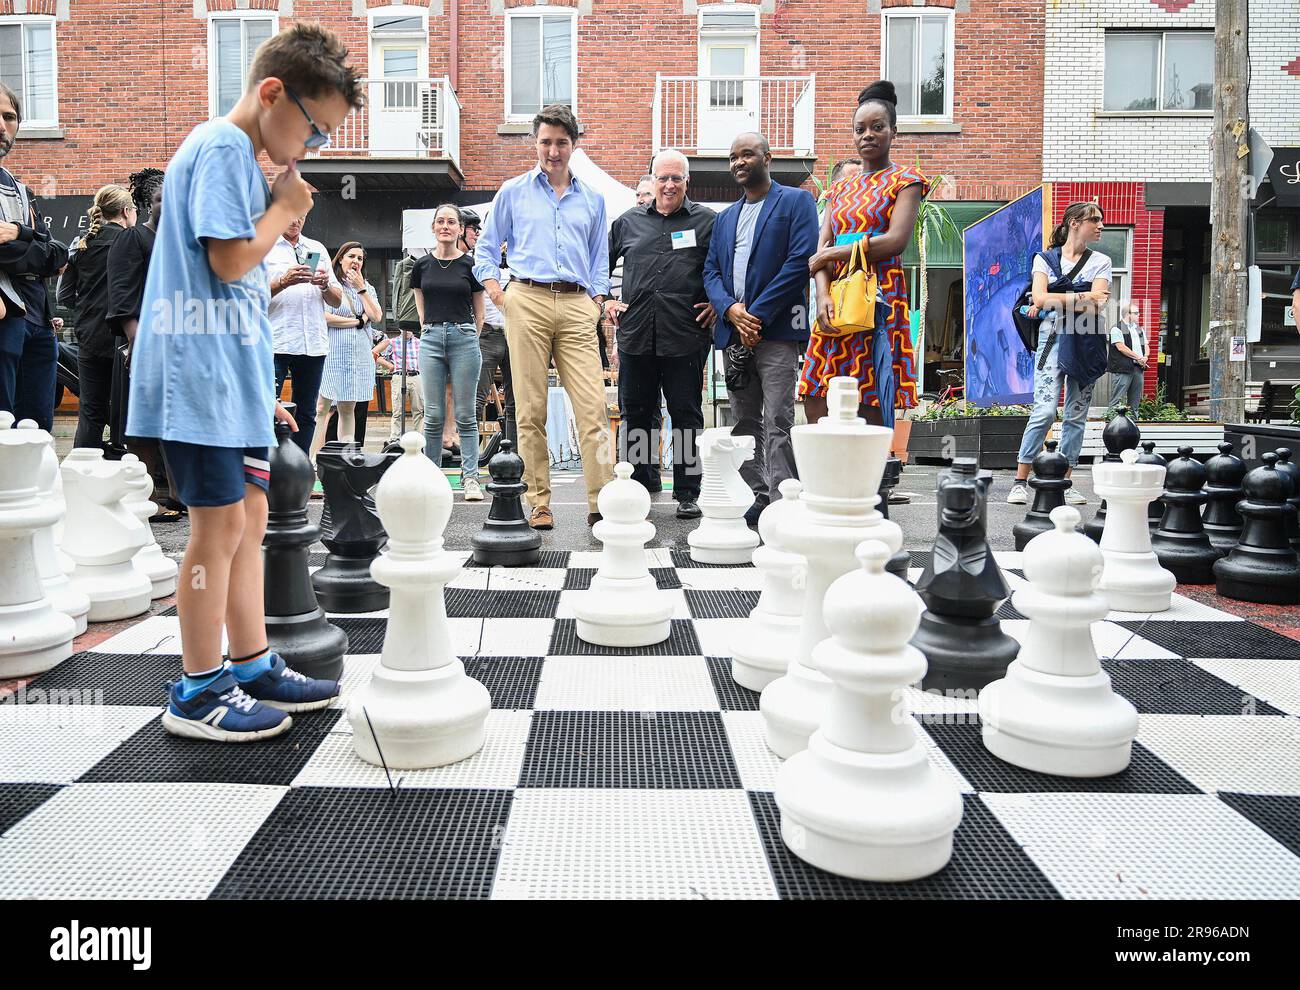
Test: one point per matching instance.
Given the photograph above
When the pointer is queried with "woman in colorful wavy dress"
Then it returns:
(880, 204)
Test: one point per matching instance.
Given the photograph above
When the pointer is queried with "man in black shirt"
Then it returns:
(664, 323)
(28, 255)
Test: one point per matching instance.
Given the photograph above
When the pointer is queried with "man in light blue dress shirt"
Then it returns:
(557, 234)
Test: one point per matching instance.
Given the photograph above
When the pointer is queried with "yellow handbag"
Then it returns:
(854, 297)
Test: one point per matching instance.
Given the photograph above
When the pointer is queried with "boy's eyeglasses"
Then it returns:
(318, 137)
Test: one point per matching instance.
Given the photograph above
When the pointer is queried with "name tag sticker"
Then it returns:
(683, 239)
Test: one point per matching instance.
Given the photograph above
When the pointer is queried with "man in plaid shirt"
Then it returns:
(401, 388)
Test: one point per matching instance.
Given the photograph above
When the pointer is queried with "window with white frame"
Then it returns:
(728, 37)
(918, 55)
(1159, 71)
(1117, 244)
(232, 40)
(541, 59)
(29, 67)
(399, 50)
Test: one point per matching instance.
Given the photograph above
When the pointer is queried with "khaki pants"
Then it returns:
(414, 419)
(541, 324)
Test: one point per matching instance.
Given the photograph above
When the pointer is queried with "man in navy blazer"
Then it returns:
(756, 276)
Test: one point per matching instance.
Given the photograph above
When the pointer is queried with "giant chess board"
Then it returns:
(636, 773)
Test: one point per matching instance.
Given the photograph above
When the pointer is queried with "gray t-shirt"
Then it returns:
(744, 244)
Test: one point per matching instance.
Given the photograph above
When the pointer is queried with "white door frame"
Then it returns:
(717, 126)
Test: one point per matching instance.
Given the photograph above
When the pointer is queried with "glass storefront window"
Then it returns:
(1277, 354)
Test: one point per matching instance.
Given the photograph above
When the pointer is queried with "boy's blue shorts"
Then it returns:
(214, 476)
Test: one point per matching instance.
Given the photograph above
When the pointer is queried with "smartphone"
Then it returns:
(313, 261)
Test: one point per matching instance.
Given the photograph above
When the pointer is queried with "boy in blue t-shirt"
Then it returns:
(203, 378)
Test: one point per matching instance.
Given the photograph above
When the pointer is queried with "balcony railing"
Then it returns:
(402, 118)
(701, 115)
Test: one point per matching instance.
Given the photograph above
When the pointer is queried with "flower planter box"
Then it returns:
(1203, 437)
(993, 440)
(1251, 440)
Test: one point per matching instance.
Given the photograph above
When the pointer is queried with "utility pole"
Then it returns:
(1228, 252)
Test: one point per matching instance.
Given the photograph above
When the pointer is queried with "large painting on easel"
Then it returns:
(997, 253)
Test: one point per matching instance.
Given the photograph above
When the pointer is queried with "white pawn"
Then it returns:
(841, 461)
(160, 569)
(723, 536)
(102, 535)
(768, 642)
(863, 800)
(1132, 579)
(49, 559)
(1055, 711)
(419, 708)
(33, 635)
(624, 606)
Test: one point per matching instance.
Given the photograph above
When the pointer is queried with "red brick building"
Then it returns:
(113, 85)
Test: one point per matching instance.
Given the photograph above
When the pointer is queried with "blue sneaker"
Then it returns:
(222, 712)
(286, 689)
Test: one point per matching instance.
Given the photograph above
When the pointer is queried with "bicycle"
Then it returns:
(954, 388)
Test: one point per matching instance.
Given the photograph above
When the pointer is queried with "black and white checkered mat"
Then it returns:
(636, 773)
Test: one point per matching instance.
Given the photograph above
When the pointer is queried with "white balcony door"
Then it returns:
(395, 98)
(726, 107)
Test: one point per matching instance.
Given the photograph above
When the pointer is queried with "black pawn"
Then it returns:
(962, 587)
(1049, 484)
(1180, 543)
(506, 539)
(1292, 472)
(1262, 567)
(1223, 475)
(1156, 509)
(351, 528)
(1121, 433)
(900, 562)
(295, 625)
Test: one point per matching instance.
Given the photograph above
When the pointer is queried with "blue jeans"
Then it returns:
(28, 359)
(451, 349)
(306, 372)
(1047, 392)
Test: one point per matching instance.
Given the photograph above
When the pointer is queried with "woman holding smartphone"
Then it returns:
(449, 301)
(349, 375)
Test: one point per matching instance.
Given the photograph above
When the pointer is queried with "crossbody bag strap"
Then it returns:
(1046, 349)
(1078, 266)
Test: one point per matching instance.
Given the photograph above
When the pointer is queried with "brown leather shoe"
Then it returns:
(542, 518)
(593, 518)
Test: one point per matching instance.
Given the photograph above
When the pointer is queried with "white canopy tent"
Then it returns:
(417, 225)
